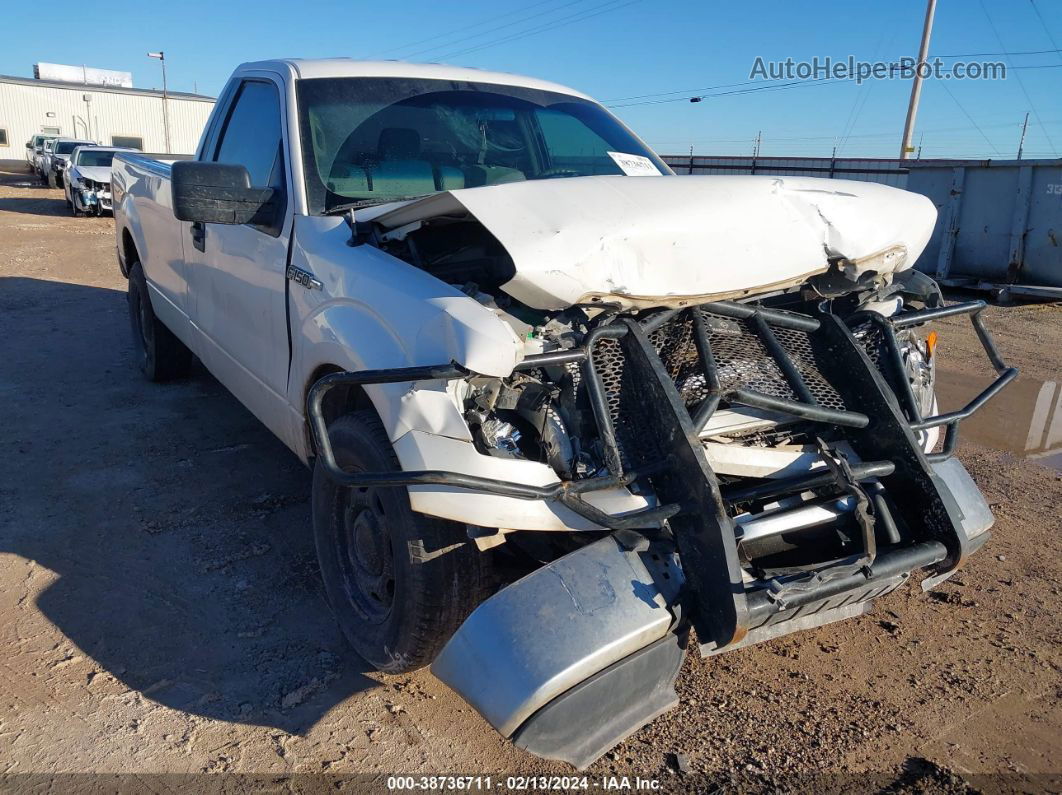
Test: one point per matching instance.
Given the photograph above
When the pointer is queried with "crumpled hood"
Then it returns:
(665, 240)
(95, 173)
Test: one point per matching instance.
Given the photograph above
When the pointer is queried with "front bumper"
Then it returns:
(581, 653)
(595, 633)
(95, 198)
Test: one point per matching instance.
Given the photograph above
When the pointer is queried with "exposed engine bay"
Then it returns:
(775, 434)
(545, 414)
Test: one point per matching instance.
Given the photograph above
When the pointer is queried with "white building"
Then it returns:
(112, 116)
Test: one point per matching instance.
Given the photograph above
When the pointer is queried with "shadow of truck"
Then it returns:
(177, 527)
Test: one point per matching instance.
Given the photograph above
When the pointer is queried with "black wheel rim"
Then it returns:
(365, 554)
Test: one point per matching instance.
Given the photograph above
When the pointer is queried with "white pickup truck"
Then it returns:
(561, 405)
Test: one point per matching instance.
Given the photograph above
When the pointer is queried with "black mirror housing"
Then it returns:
(218, 193)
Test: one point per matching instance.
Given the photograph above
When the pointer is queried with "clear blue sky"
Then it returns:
(613, 49)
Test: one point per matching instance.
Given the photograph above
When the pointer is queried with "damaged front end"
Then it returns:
(782, 447)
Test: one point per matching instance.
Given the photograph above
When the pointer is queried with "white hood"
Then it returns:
(95, 173)
(656, 240)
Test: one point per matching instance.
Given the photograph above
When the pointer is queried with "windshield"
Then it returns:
(66, 147)
(382, 139)
(91, 157)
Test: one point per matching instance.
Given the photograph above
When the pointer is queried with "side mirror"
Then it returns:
(219, 193)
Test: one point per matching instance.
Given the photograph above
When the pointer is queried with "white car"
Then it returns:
(34, 146)
(42, 158)
(560, 404)
(87, 179)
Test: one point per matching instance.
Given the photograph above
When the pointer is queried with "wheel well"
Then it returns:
(340, 400)
(129, 252)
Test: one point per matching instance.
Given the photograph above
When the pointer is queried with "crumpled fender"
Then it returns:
(374, 311)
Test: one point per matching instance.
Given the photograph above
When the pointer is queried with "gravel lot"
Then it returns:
(160, 610)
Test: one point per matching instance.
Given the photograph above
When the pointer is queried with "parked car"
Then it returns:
(560, 404)
(34, 145)
(41, 158)
(87, 179)
(56, 158)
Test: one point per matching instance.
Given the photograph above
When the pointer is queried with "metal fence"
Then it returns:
(998, 223)
(887, 172)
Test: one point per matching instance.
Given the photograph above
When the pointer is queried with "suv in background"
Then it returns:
(55, 160)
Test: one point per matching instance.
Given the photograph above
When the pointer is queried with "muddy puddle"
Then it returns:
(1024, 419)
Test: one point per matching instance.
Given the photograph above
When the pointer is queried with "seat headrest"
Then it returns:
(398, 143)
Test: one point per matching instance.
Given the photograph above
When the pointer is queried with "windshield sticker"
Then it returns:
(635, 165)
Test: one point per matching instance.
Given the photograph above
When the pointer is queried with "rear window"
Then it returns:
(95, 158)
(66, 147)
(128, 141)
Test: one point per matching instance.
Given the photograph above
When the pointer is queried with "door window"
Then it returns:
(128, 141)
(251, 137)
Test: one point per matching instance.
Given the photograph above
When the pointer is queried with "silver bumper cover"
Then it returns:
(581, 653)
(558, 626)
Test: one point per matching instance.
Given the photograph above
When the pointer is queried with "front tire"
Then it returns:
(160, 355)
(399, 582)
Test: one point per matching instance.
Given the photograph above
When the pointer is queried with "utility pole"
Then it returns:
(756, 146)
(161, 56)
(1021, 141)
(921, 137)
(916, 84)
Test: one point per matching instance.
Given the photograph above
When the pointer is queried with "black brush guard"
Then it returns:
(650, 430)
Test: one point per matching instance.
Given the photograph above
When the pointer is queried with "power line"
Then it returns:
(579, 16)
(861, 102)
(463, 29)
(1021, 82)
(684, 91)
(971, 118)
(461, 39)
(1047, 30)
(767, 87)
(991, 54)
(687, 92)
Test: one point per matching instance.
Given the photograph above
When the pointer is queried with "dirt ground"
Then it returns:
(160, 611)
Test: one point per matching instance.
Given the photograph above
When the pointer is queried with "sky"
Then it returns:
(642, 58)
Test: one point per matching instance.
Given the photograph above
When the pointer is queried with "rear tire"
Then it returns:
(160, 355)
(399, 582)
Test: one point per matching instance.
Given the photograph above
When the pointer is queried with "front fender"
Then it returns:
(374, 311)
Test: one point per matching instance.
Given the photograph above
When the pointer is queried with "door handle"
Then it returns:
(199, 235)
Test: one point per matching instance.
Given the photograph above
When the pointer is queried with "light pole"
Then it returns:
(916, 83)
(165, 105)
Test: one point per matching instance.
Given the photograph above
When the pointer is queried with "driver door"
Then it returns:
(236, 273)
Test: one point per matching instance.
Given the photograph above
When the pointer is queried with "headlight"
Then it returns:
(918, 361)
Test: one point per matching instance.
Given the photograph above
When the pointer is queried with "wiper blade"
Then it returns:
(342, 208)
